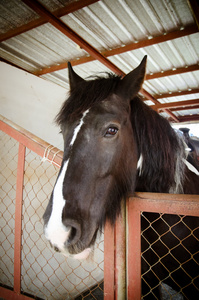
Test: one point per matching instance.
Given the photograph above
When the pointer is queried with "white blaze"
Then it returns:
(55, 231)
(77, 129)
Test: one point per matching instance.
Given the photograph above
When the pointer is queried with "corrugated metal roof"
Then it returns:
(107, 25)
(14, 14)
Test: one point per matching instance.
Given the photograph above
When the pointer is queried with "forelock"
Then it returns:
(86, 94)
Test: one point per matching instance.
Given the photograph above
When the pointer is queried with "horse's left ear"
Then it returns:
(131, 84)
(74, 79)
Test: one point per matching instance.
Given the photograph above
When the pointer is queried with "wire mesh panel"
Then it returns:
(170, 254)
(8, 173)
(163, 252)
(47, 274)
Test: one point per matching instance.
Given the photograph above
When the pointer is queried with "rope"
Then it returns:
(47, 151)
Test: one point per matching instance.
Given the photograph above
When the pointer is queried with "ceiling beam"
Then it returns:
(69, 8)
(102, 57)
(61, 26)
(23, 28)
(133, 46)
(65, 29)
(63, 65)
(155, 40)
(167, 111)
(171, 115)
(176, 71)
(177, 94)
(185, 108)
(178, 104)
(191, 118)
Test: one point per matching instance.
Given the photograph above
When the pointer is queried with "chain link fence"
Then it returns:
(172, 243)
(45, 274)
(8, 168)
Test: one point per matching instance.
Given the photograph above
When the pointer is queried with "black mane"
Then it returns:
(85, 95)
(162, 150)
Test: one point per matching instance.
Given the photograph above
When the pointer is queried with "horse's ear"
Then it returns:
(74, 79)
(131, 84)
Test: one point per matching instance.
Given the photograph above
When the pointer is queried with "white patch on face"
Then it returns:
(139, 164)
(77, 129)
(55, 231)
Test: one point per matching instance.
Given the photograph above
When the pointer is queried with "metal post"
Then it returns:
(18, 219)
(133, 252)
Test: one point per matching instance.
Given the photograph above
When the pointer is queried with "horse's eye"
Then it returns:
(111, 131)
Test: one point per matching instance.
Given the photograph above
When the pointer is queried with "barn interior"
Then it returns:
(37, 40)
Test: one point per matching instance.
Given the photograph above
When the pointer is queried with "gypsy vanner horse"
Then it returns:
(114, 145)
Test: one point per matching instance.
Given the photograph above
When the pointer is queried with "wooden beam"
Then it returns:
(190, 118)
(63, 65)
(65, 29)
(174, 34)
(185, 108)
(171, 115)
(69, 8)
(176, 94)
(155, 40)
(61, 26)
(173, 72)
(16, 31)
(148, 96)
(176, 104)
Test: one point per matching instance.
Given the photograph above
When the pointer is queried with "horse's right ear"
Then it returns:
(131, 84)
(74, 79)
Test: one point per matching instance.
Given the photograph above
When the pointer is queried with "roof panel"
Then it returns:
(185, 112)
(53, 5)
(14, 14)
(105, 25)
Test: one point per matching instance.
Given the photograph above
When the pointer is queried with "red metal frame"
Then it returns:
(18, 219)
(150, 202)
(115, 259)
(120, 253)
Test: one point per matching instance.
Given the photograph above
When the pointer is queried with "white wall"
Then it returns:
(31, 102)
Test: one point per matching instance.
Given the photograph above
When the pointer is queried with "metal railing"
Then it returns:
(161, 204)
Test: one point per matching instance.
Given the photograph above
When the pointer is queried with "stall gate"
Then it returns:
(29, 268)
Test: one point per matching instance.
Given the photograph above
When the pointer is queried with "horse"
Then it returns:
(193, 144)
(114, 145)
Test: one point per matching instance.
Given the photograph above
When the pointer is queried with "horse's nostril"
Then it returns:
(75, 231)
(56, 249)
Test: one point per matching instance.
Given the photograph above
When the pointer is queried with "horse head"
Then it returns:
(99, 163)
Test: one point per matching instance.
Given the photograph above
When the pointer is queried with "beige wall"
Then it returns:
(31, 102)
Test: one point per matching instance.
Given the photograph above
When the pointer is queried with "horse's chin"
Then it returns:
(80, 256)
